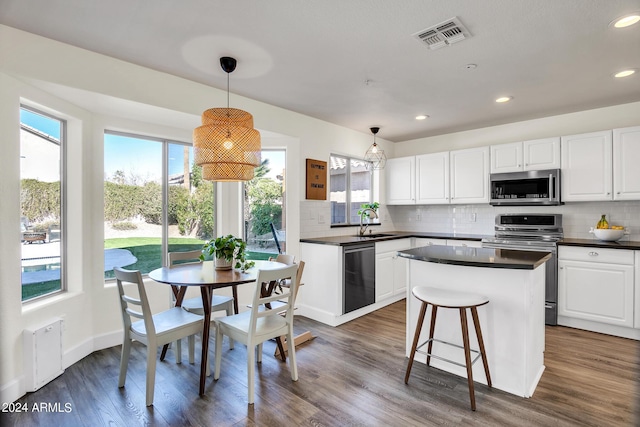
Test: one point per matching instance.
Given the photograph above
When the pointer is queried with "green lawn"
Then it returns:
(148, 252)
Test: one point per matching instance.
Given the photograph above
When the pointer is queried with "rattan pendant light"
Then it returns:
(375, 155)
(226, 145)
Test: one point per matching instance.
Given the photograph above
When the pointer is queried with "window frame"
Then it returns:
(244, 189)
(164, 246)
(63, 202)
(348, 202)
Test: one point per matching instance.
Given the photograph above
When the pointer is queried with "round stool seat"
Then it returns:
(447, 298)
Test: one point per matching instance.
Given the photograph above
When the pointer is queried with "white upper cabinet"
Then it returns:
(536, 154)
(506, 157)
(432, 178)
(541, 154)
(626, 169)
(400, 180)
(587, 167)
(470, 175)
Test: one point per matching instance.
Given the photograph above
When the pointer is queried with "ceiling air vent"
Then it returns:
(441, 35)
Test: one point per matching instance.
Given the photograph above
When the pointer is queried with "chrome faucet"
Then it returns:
(372, 215)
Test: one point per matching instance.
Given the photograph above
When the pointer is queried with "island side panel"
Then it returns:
(512, 323)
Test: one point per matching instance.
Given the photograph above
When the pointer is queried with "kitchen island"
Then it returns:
(512, 323)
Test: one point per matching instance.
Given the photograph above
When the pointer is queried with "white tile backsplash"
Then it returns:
(577, 218)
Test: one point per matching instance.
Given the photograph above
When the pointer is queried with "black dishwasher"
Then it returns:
(359, 277)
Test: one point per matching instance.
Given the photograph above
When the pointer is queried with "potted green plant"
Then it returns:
(373, 206)
(228, 252)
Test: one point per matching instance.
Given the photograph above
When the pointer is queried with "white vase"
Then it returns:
(223, 264)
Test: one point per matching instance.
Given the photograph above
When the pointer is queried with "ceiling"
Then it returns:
(356, 63)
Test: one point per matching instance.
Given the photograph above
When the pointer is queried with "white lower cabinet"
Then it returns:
(391, 270)
(596, 284)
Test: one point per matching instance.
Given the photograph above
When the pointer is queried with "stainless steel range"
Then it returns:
(533, 232)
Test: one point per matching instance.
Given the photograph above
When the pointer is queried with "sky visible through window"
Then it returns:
(43, 124)
(145, 160)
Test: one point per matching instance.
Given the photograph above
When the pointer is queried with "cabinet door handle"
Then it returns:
(561, 268)
(593, 254)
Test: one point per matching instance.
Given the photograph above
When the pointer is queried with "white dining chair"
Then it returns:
(153, 330)
(258, 325)
(284, 259)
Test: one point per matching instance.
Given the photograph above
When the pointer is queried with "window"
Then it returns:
(41, 203)
(140, 174)
(350, 187)
(264, 202)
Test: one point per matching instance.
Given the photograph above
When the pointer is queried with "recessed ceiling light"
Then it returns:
(422, 117)
(624, 73)
(471, 66)
(504, 99)
(626, 21)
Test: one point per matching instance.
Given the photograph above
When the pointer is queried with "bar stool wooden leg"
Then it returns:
(423, 311)
(432, 327)
(476, 323)
(467, 356)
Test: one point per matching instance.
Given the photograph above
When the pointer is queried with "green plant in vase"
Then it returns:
(226, 250)
(373, 206)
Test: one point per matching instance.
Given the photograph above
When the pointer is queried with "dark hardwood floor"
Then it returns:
(352, 375)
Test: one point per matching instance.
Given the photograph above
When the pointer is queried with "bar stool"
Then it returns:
(450, 299)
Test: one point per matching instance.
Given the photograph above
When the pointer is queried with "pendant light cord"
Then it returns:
(228, 94)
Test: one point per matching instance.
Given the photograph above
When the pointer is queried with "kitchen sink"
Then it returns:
(373, 236)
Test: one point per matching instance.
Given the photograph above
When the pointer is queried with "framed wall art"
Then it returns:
(316, 188)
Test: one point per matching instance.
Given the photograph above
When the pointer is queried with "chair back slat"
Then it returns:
(284, 259)
(267, 276)
(134, 313)
(192, 257)
(134, 277)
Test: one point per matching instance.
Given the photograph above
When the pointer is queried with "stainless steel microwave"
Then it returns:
(530, 188)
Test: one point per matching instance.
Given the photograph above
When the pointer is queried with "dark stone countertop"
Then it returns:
(346, 240)
(620, 244)
(391, 235)
(478, 257)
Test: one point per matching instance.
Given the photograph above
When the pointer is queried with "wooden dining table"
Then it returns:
(207, 278)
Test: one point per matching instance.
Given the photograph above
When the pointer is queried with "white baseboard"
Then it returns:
(13, 390)
(16, 388)
(603, 328)
(82, 350)
(332, 319)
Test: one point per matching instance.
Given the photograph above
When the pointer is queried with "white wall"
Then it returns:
(94, 93)
(565, 124)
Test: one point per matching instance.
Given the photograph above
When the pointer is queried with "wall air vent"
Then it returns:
(444, 34)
